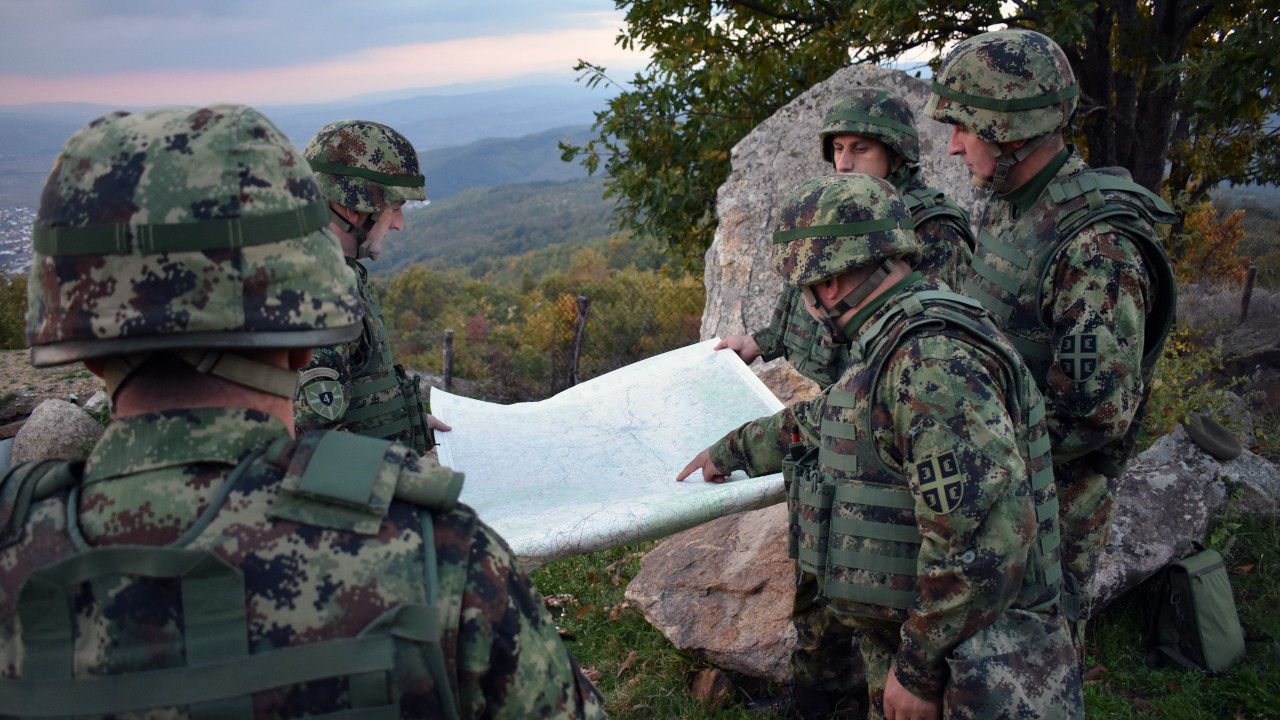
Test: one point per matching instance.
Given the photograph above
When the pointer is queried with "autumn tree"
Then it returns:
(1184, 84)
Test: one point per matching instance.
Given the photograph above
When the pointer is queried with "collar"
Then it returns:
(905, 177)
(174, 438)
(852, 330)
(1025, 195)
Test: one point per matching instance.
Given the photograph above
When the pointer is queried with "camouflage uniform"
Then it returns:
(202, 563)
(941, 227)
(924, 515)
(356, 387)
(1070, 266)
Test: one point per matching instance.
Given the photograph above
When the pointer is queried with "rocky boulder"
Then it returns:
(723, 590)
(772, 160)
(56, 430)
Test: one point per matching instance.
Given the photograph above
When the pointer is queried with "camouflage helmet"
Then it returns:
(875, 113)
(365, 166)
(837, 223)
(184, 228)
(1005, 86)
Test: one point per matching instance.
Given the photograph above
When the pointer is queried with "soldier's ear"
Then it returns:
(299, 357)
(95, 366)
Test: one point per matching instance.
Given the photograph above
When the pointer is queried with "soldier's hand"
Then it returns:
(435, 423)
(744, 345)
(900, 704)
(702, 461)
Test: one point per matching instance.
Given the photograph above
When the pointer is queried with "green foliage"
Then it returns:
(483, 225)
(13, 311)
(1159, 80)
(516, 337)
(1182, 385)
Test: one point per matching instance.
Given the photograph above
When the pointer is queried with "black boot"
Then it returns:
(799, 703)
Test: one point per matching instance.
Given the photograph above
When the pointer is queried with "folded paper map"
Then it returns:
(595, 466)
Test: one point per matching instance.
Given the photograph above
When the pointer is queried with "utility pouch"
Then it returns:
(1195, 625)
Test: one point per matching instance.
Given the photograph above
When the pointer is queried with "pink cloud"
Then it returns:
(388, 68)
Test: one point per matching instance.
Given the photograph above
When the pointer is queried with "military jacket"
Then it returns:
(1081, 286)
(946, 245)
(931, 509)
(357, 388)
(231, 488)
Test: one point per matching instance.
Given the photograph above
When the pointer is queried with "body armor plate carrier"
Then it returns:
(338, 481)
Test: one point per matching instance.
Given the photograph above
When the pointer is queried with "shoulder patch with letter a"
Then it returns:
(941, 485)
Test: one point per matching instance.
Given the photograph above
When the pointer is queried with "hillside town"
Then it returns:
(15, 238)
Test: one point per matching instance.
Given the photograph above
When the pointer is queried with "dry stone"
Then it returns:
(773, 159)
(723, 591)
(56, 430)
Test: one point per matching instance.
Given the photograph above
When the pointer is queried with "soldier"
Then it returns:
(202, 563)
(871, 131)
(367, 171)
(924, 517)
(1069, 264)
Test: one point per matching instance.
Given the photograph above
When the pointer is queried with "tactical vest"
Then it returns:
(398, 415)
(852, 517)
(928, 204)
(1077, 202)
(331, 480)
(802, 337)
(805, 347)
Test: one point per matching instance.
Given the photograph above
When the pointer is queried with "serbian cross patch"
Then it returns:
(325, 398)
(941, 485)
(1078, 356)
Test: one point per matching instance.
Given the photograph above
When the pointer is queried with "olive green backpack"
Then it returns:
(1195, 625)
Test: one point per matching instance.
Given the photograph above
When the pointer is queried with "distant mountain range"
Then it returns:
(465, 140)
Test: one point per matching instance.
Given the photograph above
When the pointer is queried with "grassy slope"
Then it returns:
(656, 682)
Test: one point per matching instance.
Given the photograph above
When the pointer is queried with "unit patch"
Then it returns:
(1078, 356)
(941, 485)
(325, 397)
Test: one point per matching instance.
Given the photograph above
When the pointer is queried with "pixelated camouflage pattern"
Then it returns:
(939, 393)
(369, 146)
(834, 200)
(946, 244)
(1005, 65)
(395, 412)
(1099, 285)
(875, 113)
(825, 656)
(152, 477)
(991, 671)
(173, 167)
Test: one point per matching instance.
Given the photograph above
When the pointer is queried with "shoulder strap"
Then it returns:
(30, 483)
(1118, 200)
(346, 482)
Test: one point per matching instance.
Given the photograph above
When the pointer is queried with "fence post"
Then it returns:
(579, 330)
(448, 360)
(1248, 292)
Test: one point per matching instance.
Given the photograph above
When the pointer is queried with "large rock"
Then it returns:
(723, 590)
(771, 161)
(56, 430)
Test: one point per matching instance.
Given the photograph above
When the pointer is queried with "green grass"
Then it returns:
(656, 683)
(607, 630)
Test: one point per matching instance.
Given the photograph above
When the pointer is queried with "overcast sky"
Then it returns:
(274, 52)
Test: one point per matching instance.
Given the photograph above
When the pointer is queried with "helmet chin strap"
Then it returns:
(360, 233)
(848, 302)
(229, 366)
(1006, 161)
